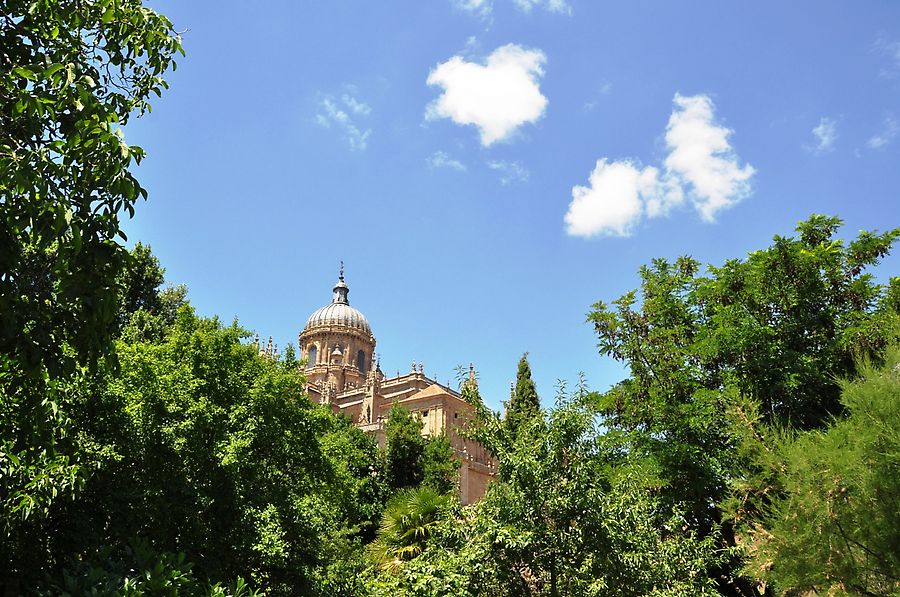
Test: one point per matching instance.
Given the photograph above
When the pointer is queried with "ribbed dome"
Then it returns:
(339, 312)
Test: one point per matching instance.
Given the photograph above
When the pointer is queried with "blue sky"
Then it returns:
(488, 169)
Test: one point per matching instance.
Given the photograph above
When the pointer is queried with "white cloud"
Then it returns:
(558, 6)
(890, 49)
(497, 97)
(700, 166)
(483, 8)
(660, 197)
(826, 135)
(510, 172)
(340, 115)
(889, 130)
(356, 106)
(612, 203)
(440, 159)
(701, 157)
(604, 89)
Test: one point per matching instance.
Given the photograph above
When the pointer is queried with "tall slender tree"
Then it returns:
(524, 404)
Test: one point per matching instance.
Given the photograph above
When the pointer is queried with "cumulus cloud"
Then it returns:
(440, 159)
(342, 114)
(701, 157)
(498, 96)
(612, 202)
(510, 172)
(701, 166)
(889, 130)
(825, 134)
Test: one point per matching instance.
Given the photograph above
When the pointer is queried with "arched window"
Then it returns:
(361, 361)
(311, 356)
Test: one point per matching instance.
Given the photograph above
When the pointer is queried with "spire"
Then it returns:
(340, 289)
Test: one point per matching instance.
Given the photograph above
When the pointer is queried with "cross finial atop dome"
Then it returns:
(340, 289)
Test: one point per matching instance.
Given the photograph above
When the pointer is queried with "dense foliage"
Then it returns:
(556, 522)
(199, 446)
(407, 524)
(71, 74)
(412, 459)
(833, 526)
(778, 329)
(753, 448)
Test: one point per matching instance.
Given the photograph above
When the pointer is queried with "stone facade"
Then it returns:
(339, 349)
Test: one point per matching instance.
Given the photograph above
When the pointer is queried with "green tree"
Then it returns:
(777, 328)
(139, 284)
(440, 467)
(73, 73)
(555, 522)
(136, 570)
(524, 402)
(357, 465)
(560, 524)
(203, 447)
(833, 525)
(412, 459)
(357, 494)
(404, 448)
(407, 524)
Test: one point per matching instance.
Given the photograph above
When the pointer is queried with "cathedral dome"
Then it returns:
(339, 312)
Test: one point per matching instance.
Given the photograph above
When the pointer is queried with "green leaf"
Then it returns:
(24, 73)
(53, 69)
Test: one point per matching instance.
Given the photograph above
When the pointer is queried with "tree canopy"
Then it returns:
(73, 73)
(831, 527)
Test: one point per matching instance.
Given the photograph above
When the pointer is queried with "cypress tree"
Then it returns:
(524, 403)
